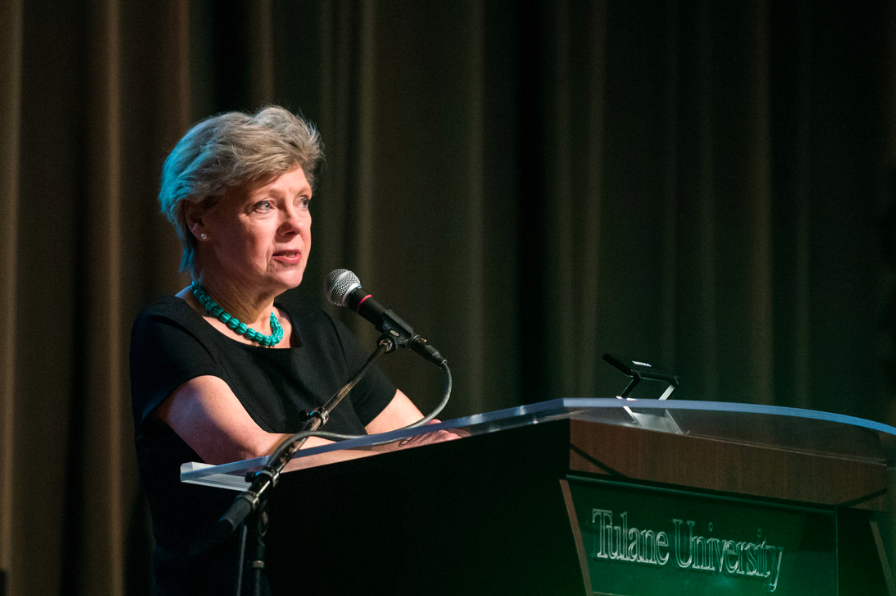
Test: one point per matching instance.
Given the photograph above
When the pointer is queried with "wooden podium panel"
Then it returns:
(718, 465)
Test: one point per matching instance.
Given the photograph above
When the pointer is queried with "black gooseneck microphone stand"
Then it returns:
(249, 507)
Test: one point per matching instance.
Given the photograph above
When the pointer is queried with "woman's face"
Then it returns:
(260, 239)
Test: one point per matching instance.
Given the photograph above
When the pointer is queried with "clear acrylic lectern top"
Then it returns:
(771, 426)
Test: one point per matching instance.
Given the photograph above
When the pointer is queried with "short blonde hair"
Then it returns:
(232, 150)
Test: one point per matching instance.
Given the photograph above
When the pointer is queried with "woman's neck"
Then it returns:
(253, 310)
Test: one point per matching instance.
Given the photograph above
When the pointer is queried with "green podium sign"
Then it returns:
(637, 540)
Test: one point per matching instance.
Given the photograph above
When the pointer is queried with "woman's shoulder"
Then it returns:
(304, 313)
(308, 318)
(167, 307)
(170, 315)
(316, 324)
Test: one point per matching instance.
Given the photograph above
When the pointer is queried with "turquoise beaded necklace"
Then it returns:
(235, 324)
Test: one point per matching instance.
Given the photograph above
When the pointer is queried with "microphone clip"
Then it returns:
(321, 414)
(387, 340)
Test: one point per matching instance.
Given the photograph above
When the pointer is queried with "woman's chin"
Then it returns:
(290, 281)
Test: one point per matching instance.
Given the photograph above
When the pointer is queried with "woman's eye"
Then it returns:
(304, 203)
(264, 206)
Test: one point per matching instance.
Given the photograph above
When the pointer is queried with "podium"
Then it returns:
(589, 496)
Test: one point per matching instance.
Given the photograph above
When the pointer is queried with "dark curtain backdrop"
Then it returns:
(531, 184)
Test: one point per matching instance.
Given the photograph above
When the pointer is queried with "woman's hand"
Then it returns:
(402, 412)
(438, 436)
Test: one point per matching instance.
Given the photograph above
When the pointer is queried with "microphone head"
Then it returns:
(338, 285)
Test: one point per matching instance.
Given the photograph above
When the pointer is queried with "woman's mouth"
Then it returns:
(290, 257)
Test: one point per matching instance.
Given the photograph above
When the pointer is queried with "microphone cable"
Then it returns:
(338, 437)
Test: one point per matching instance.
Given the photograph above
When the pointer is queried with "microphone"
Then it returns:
(343, 288)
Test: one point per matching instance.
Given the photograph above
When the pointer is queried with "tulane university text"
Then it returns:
(624, 544)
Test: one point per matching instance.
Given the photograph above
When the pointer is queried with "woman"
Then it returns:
(219, 372)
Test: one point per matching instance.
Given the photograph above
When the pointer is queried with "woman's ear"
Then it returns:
(193, 215)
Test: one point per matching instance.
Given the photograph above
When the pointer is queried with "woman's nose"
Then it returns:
(293, 220)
